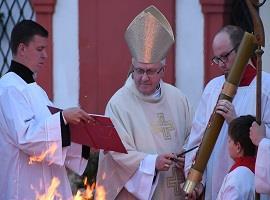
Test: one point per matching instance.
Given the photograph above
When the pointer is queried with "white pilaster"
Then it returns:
(66, 54)
(189, 49)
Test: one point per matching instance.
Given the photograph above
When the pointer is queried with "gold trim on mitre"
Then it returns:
(149, 36)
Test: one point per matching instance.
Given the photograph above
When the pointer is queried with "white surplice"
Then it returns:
(147, 126)
(238, 185)
(27, 128)
(262, 168)
(244, 103)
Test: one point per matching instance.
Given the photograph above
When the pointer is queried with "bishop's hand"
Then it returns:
(180, 162)
(163, 161)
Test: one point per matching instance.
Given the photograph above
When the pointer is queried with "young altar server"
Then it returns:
(238, 184)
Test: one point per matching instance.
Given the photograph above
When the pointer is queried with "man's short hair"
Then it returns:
(24, 31)
(235, 33)
(239, 132)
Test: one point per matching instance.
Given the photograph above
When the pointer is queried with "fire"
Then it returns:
(41, 157)
(87, 194)
(100, 193)
(89, 191)
(52, 191)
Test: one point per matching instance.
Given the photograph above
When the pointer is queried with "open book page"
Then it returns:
(99, 134)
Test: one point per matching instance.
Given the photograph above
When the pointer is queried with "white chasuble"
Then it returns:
(262, 168)
(147, 126)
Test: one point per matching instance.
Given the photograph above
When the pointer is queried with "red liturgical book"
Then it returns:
(99, 134)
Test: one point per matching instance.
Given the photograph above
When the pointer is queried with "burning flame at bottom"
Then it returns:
(87, 194)
(52, 192)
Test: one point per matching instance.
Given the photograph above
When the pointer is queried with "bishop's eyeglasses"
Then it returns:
(223, 58)
(148, 72)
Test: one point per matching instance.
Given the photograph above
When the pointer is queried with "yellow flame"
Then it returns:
(89, 191)
(41, 157)
(78, 196)
(100, 193)
(52, 191)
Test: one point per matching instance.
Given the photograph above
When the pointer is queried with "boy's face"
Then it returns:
(233, 148)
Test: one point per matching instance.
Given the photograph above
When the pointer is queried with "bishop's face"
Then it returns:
(224, 52)
(34, 54)
(147, 76)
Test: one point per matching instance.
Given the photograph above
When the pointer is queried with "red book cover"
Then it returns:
(99, 134)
